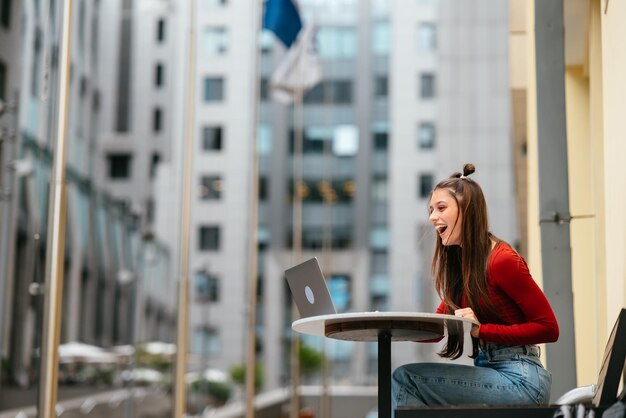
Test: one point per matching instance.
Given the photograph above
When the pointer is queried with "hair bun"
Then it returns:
(468, 169)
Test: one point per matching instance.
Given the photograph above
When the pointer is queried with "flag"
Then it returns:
(299, 70)
(282, 18)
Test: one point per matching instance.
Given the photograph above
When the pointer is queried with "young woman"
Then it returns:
(481, 277)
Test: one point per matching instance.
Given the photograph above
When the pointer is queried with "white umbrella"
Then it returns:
(77, 351)
(160, 348)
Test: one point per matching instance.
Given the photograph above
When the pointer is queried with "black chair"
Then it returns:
(599, 397)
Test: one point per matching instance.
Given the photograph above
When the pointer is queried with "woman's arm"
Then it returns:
(509, 276)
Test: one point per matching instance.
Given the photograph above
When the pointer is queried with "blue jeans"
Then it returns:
(502, 374)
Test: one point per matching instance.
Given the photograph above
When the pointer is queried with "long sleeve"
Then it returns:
(526, 316)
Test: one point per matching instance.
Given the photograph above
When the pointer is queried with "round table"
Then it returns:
(384, 327)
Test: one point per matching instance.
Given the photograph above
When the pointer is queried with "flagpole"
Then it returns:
(180, 395)
(56, 235)
(298, 186)
(253, 249)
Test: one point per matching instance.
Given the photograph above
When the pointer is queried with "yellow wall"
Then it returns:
(613, 16)
(596, 129)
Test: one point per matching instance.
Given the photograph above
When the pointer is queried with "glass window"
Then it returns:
(264, 139)
(381, 86)
(426, 135)
(379, 189)
(214, 41)
(427, 86)
(119, 166)
(334, 91)
(263, 237)
(313, 237)
(380, 8)
(427, 37)
(381, 38)
(207, 287)
(265, 89)
(3, 81)
(425, 186)
(210, 187)
(337, 42)
(160, 31)
(213, 89)
(209, 238)
(266, 40)
(157, 123)
(339, 288)
(263, 188)
(154, 162)
(381, 141)
(5, 13)
(345, 141)
(212, 138)
(159, 74)
(205, 341)
(379, 238)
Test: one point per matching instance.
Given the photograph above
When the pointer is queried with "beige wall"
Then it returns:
(613, 16)
(596, 126)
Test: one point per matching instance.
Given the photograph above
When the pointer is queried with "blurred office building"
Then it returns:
(109, 248)
(412, 90)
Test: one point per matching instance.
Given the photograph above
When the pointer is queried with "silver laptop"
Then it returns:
(309, 289)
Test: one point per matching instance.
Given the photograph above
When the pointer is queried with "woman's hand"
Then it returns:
(469, 313)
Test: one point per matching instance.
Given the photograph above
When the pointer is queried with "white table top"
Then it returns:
(370, 323)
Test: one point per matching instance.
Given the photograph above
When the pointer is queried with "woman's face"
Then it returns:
(445, 217)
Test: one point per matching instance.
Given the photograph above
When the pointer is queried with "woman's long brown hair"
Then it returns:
(460, 271)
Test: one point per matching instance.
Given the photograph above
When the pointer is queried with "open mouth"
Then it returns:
(441, 229)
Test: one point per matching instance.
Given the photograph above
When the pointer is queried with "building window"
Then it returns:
(379, 238)
(157, 122)
(337, 42)
(160, 31)
(313, 237)
(214, 41)
(263, 188)
(209, 238)
(381, 141)
(119, 166)
(159, 75)
(36, 65)
(265, 89)
(427, 86)
(335, 91)
(207, 287)
(425, 186)
(3, 81)
(379, 189)
(264, 139)
(381, 86)
(211, 187)
(213, 89)
(154, 162)
(5, 13)
(205, 341)
(339, 288)
(212, 138)
(381, 38)
(426, 135)
(426, 37)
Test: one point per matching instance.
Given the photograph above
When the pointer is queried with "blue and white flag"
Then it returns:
(299, 70)
(282, 18)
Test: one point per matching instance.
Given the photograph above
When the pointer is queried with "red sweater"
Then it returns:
(524, 313)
